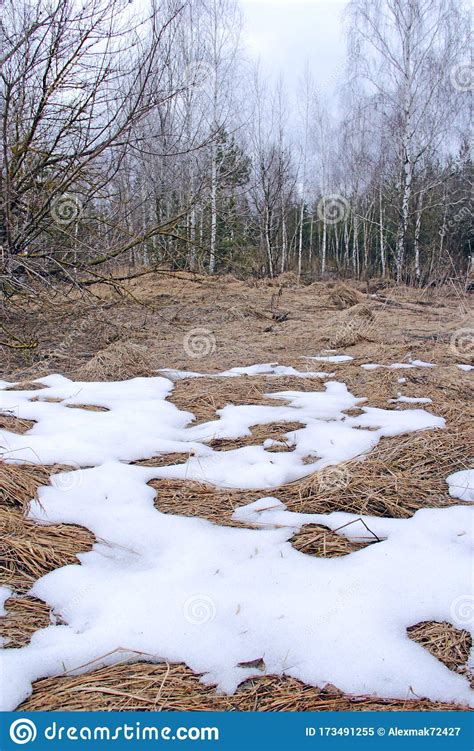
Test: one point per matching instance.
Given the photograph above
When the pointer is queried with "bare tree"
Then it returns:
(405, 50)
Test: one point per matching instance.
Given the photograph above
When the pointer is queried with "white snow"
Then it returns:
(422, 364)
(466, 368)
(400, 365)
(276, 370)
(331, 358)
(5, 593)
(140, 423)
(461, 485)
(165, 587)
(265, 369)
(412, 399)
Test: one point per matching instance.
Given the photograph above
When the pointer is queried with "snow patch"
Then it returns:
(165, 587)
(461, 485)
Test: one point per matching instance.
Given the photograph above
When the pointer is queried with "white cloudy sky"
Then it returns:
(286, 34)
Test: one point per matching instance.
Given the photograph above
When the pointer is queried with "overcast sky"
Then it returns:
(285, 34)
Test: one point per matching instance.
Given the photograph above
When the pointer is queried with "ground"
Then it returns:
(210, 325)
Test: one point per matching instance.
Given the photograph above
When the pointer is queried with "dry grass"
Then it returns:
(119, 361)
(344, 296)
(163, 460)
(28, 551)
(323, 543)
(14, 424)
(87, 407)
(19, 483)
(355, 324)
(25, 615)
(115, 338)
(174, 688)
(259, 434)
(448, 644)
(26, 386)
(205, 396)
(395, 480)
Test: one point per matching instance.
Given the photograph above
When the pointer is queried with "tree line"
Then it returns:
(142, 137)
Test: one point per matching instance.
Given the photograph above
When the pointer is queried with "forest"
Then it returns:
(144, 135)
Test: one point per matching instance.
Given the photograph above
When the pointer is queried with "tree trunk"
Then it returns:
(419, 212)
(212, 257)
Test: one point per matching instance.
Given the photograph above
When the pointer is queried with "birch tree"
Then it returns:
(405, 50)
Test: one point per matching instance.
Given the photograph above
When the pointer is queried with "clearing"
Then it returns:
(231, 496)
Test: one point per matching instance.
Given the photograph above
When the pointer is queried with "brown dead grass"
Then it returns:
(203, 397)
(87, 407)
(344, 296)
(28, 551)
(26, 386)
(19, 483)
(118, 361)
(174, 688)
(123, 340)
(14, 424)
(316, 540)
(448, 644)
(25, 615)
(355, 324)
(259, 434)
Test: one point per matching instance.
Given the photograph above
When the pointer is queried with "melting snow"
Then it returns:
(412, 399)
(5, 593)
(267, 369)
(331, 358)
(166, 587)
(399, 365)
(461, 485)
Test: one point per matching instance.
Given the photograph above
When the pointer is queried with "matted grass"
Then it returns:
(118, 339)
(174, 688)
